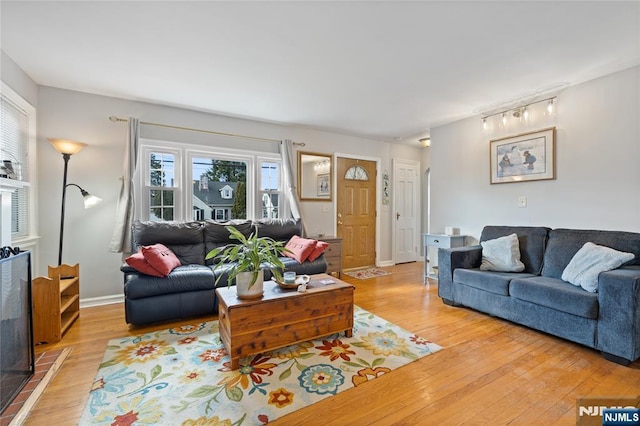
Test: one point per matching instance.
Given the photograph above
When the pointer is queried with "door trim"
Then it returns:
(416, 193)
(378, 161)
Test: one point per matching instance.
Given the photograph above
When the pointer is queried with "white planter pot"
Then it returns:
(244, 288)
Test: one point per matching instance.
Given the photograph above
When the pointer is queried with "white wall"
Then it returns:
(18, 80)
(97, 168)
(598, 176)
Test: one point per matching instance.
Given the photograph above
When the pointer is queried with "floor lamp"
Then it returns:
(67, 148)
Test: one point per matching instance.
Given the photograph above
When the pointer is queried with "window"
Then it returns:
(222, 183)
(17, 137)
(226, 193)
(356, 173)
(185, 182)
(160, 189)
(270, 189)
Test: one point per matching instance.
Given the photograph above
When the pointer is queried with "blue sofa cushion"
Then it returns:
(182, 279)
(556, 294)
(493, 282)
(532, 241)
(563, 244)
(185, 239)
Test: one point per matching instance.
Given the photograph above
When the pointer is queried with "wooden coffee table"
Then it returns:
(283, 317)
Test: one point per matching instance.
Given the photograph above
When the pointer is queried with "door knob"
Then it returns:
(397, 215)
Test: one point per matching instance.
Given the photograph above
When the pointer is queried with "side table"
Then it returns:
(333, 255)
(439, 241)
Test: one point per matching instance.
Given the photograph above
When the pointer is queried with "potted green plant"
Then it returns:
(244, 259)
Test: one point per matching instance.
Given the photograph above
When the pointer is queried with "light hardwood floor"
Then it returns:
(490, 371)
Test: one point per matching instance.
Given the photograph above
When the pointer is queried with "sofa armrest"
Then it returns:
(451, 258)
(127, 269)
(619, 313)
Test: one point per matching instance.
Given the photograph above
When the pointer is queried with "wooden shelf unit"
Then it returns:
(56, 302)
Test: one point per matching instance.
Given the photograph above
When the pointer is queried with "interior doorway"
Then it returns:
(406, 210)
(356, 211)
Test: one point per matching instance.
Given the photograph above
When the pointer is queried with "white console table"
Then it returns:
(439, 241)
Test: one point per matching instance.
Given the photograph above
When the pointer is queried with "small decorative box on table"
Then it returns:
(283, 317)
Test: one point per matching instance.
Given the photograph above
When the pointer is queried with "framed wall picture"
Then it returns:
(323, 184)
(524, 157)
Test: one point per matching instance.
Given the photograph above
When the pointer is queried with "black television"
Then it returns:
(17, 364)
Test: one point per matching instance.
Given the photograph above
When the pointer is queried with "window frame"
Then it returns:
(144, 181)
(282, 202)
(26, 238)
(184, 155)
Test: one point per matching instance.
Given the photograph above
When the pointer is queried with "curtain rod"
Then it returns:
(115, 119)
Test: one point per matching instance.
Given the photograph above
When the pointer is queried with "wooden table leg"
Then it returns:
(348, 333)
(235, 363)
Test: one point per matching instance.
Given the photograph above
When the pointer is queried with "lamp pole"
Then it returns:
(66, 158)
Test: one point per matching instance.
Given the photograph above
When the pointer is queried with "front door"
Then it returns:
(357, 212)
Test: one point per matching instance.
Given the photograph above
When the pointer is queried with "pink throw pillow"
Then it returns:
(300, 248)
(161, 258)
(140, 264)
(321, 246)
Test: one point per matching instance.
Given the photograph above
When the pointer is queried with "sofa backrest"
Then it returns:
(278, 229)
(185, 239)
(532, 242)
(564, 243)
(216, 234)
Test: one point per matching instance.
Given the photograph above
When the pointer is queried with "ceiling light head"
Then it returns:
(550, 106)
(425, 142)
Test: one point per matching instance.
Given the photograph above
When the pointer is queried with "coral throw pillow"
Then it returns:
(140, 264)
(321, 246)
(161, 258)
(299, 248)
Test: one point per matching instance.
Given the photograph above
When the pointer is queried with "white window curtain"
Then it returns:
(286, 152)
(121, 238)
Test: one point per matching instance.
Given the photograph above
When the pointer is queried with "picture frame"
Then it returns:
(524, 157)
(324, 185)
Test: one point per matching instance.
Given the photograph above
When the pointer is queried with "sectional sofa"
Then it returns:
(189, 289)
(607, 320)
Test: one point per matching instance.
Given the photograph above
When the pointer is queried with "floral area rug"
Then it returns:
(363, 274)
(182, 376)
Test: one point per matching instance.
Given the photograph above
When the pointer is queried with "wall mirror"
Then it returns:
(314, 176)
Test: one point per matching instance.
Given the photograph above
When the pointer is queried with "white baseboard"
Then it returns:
(102, 300)
(386, 263)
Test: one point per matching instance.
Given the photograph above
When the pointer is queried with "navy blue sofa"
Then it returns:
(189, 290)
(537, 297)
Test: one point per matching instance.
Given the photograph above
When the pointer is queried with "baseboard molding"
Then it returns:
(386, 263)
(102, 300)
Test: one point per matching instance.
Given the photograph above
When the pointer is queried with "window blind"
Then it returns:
(14, 146)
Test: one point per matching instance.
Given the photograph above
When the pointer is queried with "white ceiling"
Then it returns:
(385, 70)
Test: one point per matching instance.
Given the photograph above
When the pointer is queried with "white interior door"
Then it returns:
(406, 205)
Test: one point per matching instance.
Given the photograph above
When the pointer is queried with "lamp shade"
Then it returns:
(90, 200)
(64, 146)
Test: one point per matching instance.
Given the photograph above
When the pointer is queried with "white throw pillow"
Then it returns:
(501, 254)
(589, 261)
